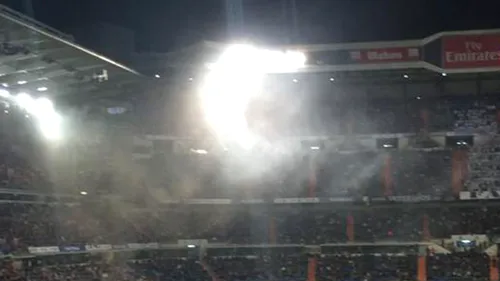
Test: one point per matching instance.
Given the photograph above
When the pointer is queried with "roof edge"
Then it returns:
(56, 35)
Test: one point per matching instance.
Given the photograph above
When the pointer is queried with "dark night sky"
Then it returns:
(165, 24)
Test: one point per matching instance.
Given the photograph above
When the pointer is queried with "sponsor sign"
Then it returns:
(410, 198)
(471, 51)
(385, 55)
(72, 248)
(119, 247)
(209, 201)
(43, 250)
(480, 195)
(100, 247)
(296, 200)
(143, 246)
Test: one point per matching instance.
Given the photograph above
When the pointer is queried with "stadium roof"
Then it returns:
(35, 58)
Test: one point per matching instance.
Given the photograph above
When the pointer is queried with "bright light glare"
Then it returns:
(191, 246)
(50, 126)
(42, 109)
(234, 80)
(4, 93)
(25, 101)
(22, 82)
(42, 89)
(83, 192)
(199, 151)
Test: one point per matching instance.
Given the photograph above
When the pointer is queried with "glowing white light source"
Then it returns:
(42, 89)
(83, 192)
(22, 82)
(50, 126)
(315, 147)
(234, 80)
(332, 79)
(4, 93)
(406, 76)
(49, 121)
(199, 151)
(191, 246)
(5, 85)
(157, 75)
(444, 74)
(295, 81)
(25, 101)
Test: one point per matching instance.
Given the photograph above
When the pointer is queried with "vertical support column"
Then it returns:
(350, 228)
(426, 233)
(459, 168)
(387, 175)
(422, 263)
(424, 118)
(493, 268)
(311, 269)
(272, 230)
(313, 180)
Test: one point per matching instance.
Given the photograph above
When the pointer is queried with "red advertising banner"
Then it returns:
(383, 55)
(471, 51)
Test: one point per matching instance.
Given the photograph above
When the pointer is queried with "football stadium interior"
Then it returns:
(359, 161)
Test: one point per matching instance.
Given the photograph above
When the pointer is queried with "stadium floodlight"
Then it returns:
(233, 81)
(42, 109)
(50, 126)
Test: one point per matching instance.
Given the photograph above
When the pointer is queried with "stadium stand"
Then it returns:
(386, 180)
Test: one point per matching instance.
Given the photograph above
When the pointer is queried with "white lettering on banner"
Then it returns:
(474, 53)
(480, 195)
(472, 56)
(374, 55)
(43, 250)
(296, 200)
(413, 52)
(100, 247)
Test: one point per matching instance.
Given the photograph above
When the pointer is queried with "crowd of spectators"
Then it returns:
(22, 226)
(351, 265)
(354, 174)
